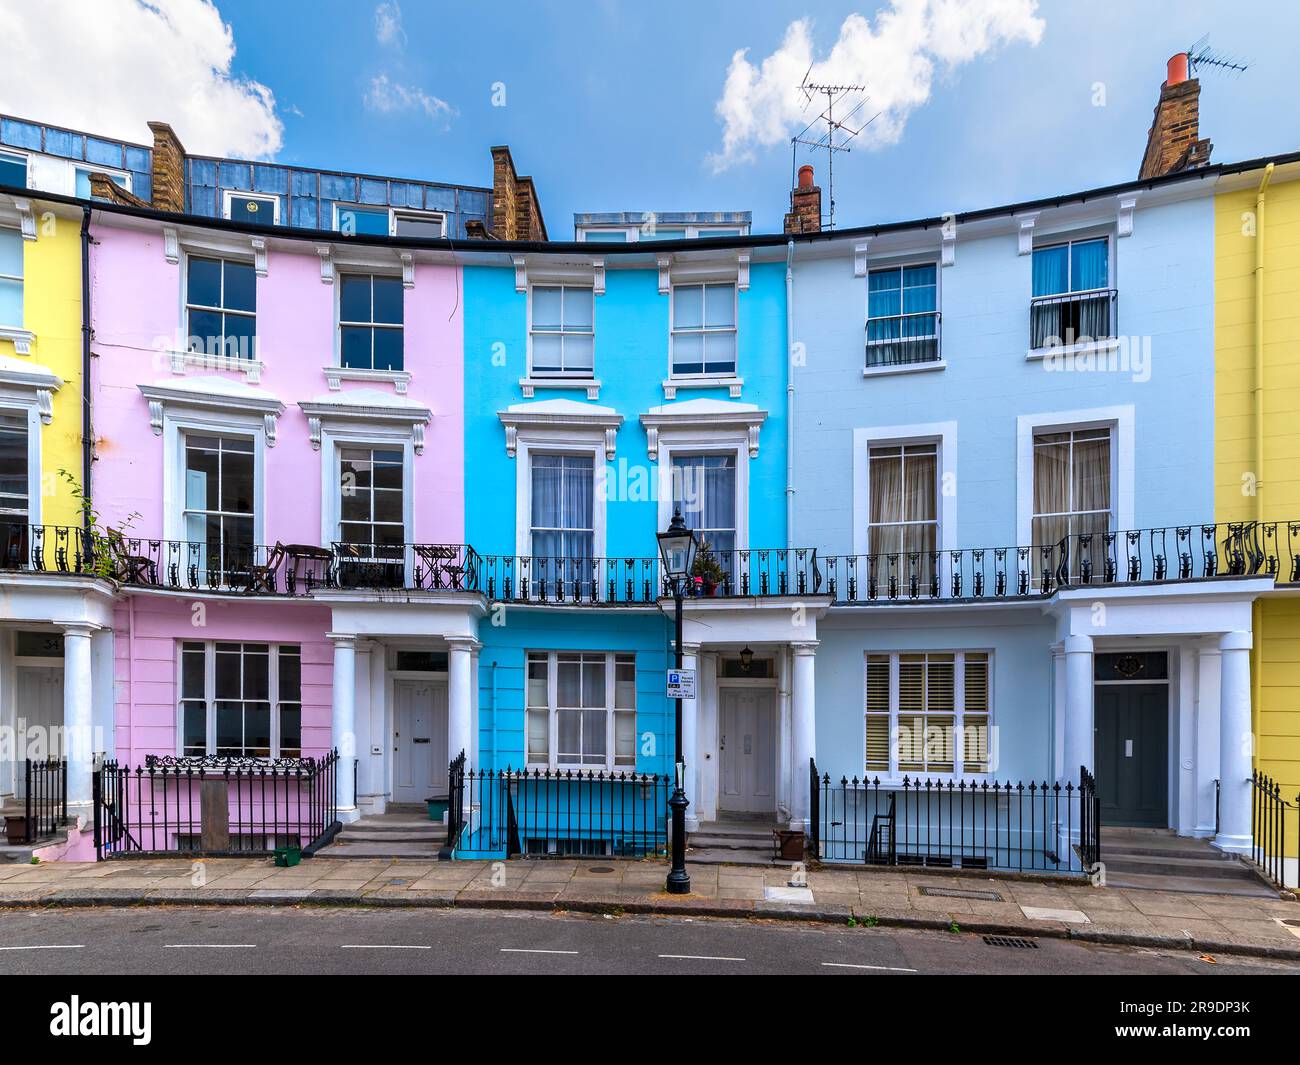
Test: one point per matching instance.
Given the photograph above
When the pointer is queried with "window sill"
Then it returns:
(336, 375)
(907, 367)
(732, 384)
(22, 338)
(529, 385)
(1095, 347)
(181, 361)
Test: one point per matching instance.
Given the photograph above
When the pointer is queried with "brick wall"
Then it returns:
(1173, 141)
(168, 168)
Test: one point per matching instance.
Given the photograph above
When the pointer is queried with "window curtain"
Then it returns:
(1051, 487)
(1089, 265)
(704, 486)
(562, 509)
(1091, 485)
(884, 298)
(919, 292)
(1051, 271)
(886, 494)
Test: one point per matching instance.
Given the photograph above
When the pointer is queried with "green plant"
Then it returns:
(706, 565)
(98, 555)
(853, 919)
(952, 926)
(872, 921)
(35, 860)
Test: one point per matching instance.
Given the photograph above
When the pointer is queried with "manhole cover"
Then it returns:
(1010, 941)
(962, 893)
(601, 869)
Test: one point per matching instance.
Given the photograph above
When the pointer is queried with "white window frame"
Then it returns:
(27, 408)
(569, 442)
(95, 168)
(335, 438)
(693, 231)
(371, 448)
(705, 442)
(18, 154)
(611, 763)
(895, 774)
(944, 434)
(176, 425)
(578, 380)
(903, 264)
(228, 195)
(1067, 240)
(221, 361)
(209, 694)
(393, 212)
(1119, 419)
(184, 446)
(11, 328)
(903, 445)
(362, 373)
(702, 283)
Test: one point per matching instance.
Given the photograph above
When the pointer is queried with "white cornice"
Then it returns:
(367, 406)
(42, 382)
(707, 415)
(213, 394)
(567, 415)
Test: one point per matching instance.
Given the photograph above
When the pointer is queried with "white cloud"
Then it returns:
(388, 25)
(112, 67)
(387, 96)
(896, 59)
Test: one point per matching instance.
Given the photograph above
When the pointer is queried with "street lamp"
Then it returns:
(677, 546)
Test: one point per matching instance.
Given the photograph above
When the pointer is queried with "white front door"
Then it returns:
(747, 743)
(38, 714)
(420, 740)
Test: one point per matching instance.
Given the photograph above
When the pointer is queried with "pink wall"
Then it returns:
(137, 299)
(147, 629)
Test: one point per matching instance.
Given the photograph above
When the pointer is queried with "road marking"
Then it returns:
(878, 968)
(384, 946)
(49, 946)
(526, 950)
(209, 946)
(699, 957)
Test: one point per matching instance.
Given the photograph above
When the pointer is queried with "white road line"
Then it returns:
(49, 946)
(526, 950)
(209, 946)
(699, 957)
(877, 968)
(384, 946)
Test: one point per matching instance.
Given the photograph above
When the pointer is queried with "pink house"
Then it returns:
(278, 427)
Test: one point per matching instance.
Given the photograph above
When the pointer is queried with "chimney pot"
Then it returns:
(1176, 70)
(805, 176)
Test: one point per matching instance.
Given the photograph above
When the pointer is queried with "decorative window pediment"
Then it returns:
(214, 395)
(32, 380)
(561, 418)
(699, 417)
(366, 407)
(559, 272)
(690, 268)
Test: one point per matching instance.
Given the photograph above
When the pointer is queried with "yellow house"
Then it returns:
(1257, 427)
(41, 392)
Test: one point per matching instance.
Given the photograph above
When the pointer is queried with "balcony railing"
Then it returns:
(1072, 318)
(903, 339)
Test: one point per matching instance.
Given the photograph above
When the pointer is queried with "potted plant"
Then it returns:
(707, 570)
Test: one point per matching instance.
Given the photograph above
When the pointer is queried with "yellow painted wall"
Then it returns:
(52, 311)
(1277, 638)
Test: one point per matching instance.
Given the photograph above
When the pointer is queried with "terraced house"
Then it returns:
(377, 469)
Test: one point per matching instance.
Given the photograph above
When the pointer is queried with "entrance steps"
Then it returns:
(732, 842)
(22, 852)
(1158, 860)
(401, 832)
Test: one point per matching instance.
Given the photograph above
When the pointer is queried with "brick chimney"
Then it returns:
(103, 187)
(1173, 141)
(805, 215)
(168, 168)
(516, 213)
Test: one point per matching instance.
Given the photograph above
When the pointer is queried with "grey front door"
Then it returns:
(420, 743)
(748, 750)
(1132, 752)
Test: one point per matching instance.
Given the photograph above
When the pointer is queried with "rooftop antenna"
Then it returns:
(839, 131)
(1202, 55)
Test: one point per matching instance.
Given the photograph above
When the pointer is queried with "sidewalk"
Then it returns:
(890, 897)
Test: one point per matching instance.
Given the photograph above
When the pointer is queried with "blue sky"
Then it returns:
(612, 105)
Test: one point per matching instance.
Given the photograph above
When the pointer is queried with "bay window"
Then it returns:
(240, 700)
(581, 709)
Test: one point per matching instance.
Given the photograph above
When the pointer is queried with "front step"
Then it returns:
(1198, 867)
(402, 834)
(712, 856)
(739, 842)
(1159, 860)
(1252, 888)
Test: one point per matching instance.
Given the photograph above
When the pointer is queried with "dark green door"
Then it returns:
(1132, 751)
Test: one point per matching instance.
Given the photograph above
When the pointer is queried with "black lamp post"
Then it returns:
(677, 546)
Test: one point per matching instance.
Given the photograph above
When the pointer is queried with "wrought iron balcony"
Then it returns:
(903, 340)
(1072, 318)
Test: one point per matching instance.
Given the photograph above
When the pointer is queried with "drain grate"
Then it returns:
(962, 893)
(1010, 941)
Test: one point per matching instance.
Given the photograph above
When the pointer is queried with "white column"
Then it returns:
(1078, 707)
(691, 739)
(1234, 743)
(803, 726)
(786, 785)
(1058, 714)
(460, 696)
(344, 734)
(1208, 685)
(78, 718)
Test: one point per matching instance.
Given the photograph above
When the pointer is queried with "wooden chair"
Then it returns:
(262, 577)
(127, 568)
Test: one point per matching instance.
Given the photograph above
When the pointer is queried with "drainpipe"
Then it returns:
(789, 395)
(1257, 608)
(494, 721)
(85, 361)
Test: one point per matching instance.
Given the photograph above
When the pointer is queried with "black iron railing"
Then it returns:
(555, 812)
(972, 824)
(45, 802)
(903, 339)
(1272, 818)
(215, 806)
(1072, 318)
(1089, 820)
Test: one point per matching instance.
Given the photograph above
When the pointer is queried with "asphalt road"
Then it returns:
(318, 940)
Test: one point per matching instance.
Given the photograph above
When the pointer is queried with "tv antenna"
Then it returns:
(1202, 55)
(839, 131)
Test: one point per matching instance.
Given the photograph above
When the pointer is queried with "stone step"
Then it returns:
(1171, 853)
(717, 841)
(341, 848)
(1252, 888)
(742, 830)
(1158, 865)
(713, 856)
(351, 836)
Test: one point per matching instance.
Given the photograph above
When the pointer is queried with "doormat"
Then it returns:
(962, 893)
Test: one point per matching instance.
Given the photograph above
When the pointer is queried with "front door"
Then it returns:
(1132, 751)
(38, 713)
(747, 746)
(419, 740)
